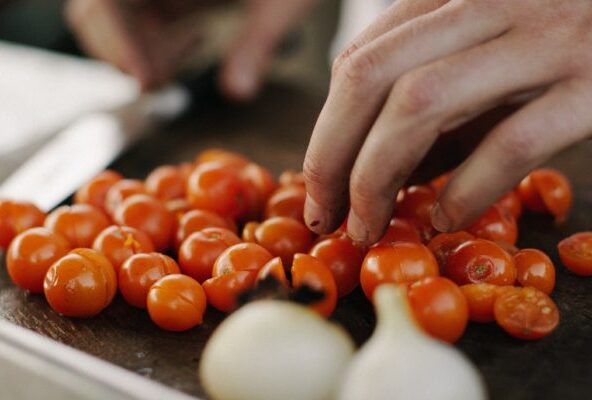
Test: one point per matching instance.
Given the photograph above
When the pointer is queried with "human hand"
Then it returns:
(425, 68)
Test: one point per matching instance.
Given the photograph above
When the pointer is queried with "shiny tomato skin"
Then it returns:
(222, 156)
(16, 217)
(416, 204)
(283, 237)
(80, 284)
(79, 224)
(290, 177)
(511, 203)
(480, 261)
(534, 268)
(196, 220)
(309, 270)
(262, 184)
(495, 224)
(176, 303)
(443, 244)
(248, 234)
(241, 257)
(400, 230)
(547, 190)
(481, 298)
(94, 192)
(118, 243)
(440, 181)
(440, 307)
(166, 182)
(287, 201)
(30, 255)
(200, 250)
(120, 191)
(274, 268)
(222, 291)
(575, 252)
(526, 313)
(401, 262)
(139, 272)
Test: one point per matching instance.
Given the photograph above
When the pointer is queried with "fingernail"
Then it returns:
(357, 229)
(440, 220)
(315, 216)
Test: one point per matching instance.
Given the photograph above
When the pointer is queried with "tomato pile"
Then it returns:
(199, 234)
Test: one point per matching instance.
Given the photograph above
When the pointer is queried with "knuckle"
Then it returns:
(342, 58)
(415, 94)
(359, 71)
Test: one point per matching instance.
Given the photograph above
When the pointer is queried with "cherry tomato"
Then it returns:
(534, 268)
(221, 156)
(17, 217)
(480, 261)
(444, 243)
(309, 270)
(178, 207)
(416, 204)
(139, 272)
(526, 313)
(118, 243)
(30, 255)
(79, 224)
(200, 250)
(287, 201)
(547, 190)
(120, 191)
(274, 268)
(511, 203)
(176, 303)
(241, 257)
(222, 291)
(196, 220)
(576, 253)
(343, 259)
(481, 298)
(166, 182)
(80, 284)
(284, 237)
(249, 229)
(95, 191)
(148, 215)
(400, 230)
(439, 307)
(440, 181)
(495, 224)
(401, 262)
(262, 185)
(291, 177)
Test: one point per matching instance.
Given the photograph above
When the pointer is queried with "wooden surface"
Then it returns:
(274, 131)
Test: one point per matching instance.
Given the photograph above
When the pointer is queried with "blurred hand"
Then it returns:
(425, 68)
(140, 37)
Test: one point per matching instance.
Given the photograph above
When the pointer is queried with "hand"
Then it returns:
(140, 38)
(428, 66)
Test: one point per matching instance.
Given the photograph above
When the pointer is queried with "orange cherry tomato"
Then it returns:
(547, 190)
(196, 220)
(120, 191)
(287, 201)
(222, 291)
(249, 229)
(439, 307)
(118, 243)
(241, 257)
(79, 224)
(222, 156)
(275, 269)
(401, 262)
(534, 268)
(291, 177)
(80, 284)
(178, 207)
(495, 224)
(139, 272)
(176, 303)
(343, 259)
(481, 298)
(30, 255)
(309, 270)
(440, 181)
(148, 215)
(415, 204)
(94, 192)
(444, 243)
(526, 313)
(400, 230)
(511, 203)
(262, 184)
(480, 261)
(284, 237)
(200, 250)
(166, 182)
(17, 217)
(576, 253)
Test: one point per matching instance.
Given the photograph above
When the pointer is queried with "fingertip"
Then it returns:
(315, 216)
(440, 220)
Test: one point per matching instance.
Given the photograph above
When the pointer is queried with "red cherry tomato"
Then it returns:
(481, 298)
(120, 191)
(199, 251)
(400, 230)
(535, 268)
(440, 181)
(249, 229)
(166, 182)
(401, 262)
(241, 257)
(283, 237)
(94, 192)
(222, 156)
(526, 313)
(79, 224)
(118, 243)
(416, 204)
(262, 185)
(343, 259)
(287, 201)
(16, 217)
(495, 224)
(80, 284)
(148, 215)
(576, 253)
(511, 203)
(30, 255)
(196, 220)
(444, 243)
(275, 269)
(291, 177)
(547, 190)
(223, 290)
(439, 307)
(480, 261)
(176, 303)
(139, 272)
(309, 270)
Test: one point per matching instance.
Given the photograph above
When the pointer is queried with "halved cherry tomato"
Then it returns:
(30, 255)
(287, 201)
(94, 192)
(275, 269)
(139, 272)
(241, 257)
(249, 229)
(223, 290)
(120, 191)
(401, 262)
(526, 313)
(511, 203)
(196, 220)
(547, 190)
(262, 184)
(535, 269)
(16, 217)
(176, 303)
(79, 224)
(444, 243)
(309, 270)
(118, 243)
(495, 224)
(290, 177)
(400, 230)
(576, 253)
(222, 156)
(481, 298)
(283, 237)
(440, 307)
(415, 204)
(199, 251)
(166, 182)
(80, 284)
(480, 261)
